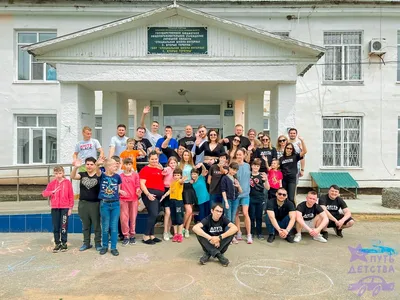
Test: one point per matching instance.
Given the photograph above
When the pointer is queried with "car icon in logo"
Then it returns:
(371, 283)
(379, 249)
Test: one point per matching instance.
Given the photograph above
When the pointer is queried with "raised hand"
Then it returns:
(146, 110)
(77, 163)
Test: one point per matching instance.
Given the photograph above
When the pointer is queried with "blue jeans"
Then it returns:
(214, 198)
(230, 213)
(109, 213)
(282, 224)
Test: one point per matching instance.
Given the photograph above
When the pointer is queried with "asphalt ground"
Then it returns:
(308, 270)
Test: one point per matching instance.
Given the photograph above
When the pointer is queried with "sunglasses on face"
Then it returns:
(266, 140)
(282, 194)
(281, 141)
(289, 148)
(213, 134)
(235, 140)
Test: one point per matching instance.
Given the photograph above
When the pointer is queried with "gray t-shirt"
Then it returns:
(119, 143)
(152, 137)
(87, 149)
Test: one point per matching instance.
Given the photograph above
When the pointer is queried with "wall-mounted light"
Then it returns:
(229, 104)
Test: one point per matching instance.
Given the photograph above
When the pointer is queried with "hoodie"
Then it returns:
(63, 197)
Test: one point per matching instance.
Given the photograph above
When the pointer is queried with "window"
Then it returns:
(398, 142)
(28, 67)
(398, 55)
(36, 139)
(341, 142)
(98, 129)
(343, 56)
(131, 126)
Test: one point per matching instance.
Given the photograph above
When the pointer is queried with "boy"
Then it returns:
(129, 202)
(258, 181)
(110, 188)
(176, 204)
(214, 178)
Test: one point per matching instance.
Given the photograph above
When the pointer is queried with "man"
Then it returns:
(201, 137)
(212, 236)
(311, 218)
(171, 152)
(153, 136)
(89, 203)
(173, 144)
(244, 141)
(88, 147)
(280, 217)
(189, 139)
(297, 147)
(331, 203)
(144, 144)
(118, 142)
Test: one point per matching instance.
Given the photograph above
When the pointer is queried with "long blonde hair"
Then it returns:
(182, 164)
(278, 147)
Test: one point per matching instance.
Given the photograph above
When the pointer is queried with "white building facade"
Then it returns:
(336, 78)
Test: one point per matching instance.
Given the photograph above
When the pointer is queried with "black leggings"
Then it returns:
(256, 212)
(153, 208)
(290, 186)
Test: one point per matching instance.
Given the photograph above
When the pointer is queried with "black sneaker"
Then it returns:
(290, 238)
(132, 241)
(103, 251)
(324, 234)
(271, 238)
(64, 247)
(338, 232)
(114, 252)
(125, 242)
(204, 259)
(156, 240)
(223, 260)
(57, 248)
(149, 242)
(260, 236)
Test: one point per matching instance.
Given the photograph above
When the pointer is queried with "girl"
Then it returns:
(266, 153)
(131, 153)
(280, 145)
(230, 190)
(168, 177)
(234, 149)
(288, 163)
(274, 179)
(200, 187)
(254, 144)
(61, 201)
(129, 202)
(189, 195)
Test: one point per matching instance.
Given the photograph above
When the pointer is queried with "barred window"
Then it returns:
(343, 55)
(341, 142)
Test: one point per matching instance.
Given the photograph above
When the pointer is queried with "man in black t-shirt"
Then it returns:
(212, 235)
(280, 217)
(145, 144)
(189, 139)
(331, 204)
(89, 203)
(311, 218)
(215, 174)
(244, 141)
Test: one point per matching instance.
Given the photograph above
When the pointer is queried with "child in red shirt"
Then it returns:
(61, 201)
(275, 177)
(129, 202)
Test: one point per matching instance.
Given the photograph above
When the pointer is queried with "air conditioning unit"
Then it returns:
(377, 46)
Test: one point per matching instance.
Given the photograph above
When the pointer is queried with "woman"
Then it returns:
(266, 152)
(152, 185)
(280, 145)
(288, 164)
(234, 149)
(254, 144)
(211, 148)
(188, 195)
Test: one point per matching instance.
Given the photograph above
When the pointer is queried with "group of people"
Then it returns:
(219, 175)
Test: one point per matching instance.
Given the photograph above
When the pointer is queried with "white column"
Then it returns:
(77, 110)
(254, 112)
(115, 112)
(282, 109)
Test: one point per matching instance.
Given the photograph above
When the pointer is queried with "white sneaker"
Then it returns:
(187, 235)
(319, 238)
(239, 236)
(249, 239)
(235, 241)
(170, 235)
(297, 238)
(166, 236)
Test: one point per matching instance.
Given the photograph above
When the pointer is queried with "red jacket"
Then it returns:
(130, 184)
(63, 197)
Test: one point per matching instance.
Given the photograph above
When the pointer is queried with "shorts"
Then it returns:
(332, 224)
(189, 195)
(176, 207)
(244, 201)
(166, 201)
(309, 223)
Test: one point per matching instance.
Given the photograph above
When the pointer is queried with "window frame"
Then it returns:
(343, 55)
(342, 143)
(398, 57)
(30, 138)
(18, 44)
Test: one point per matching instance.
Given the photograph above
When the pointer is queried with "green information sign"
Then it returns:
(177, 40)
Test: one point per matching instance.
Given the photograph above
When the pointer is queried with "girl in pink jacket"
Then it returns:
(61, 202)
